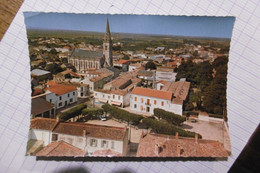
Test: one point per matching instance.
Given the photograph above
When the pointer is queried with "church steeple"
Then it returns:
(107, 47)
(107, 35)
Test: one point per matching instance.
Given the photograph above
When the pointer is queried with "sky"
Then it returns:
(201, 26)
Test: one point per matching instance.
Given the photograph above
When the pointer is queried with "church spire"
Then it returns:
(107, 35)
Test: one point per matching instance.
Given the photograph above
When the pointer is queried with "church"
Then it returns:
(82, 60)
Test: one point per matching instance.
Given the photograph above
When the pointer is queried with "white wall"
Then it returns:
(59, 101)
(43, 135)
(176, 108)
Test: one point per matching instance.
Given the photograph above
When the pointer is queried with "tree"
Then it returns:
(53, 68)
(53, 51)
(126, 57)
(150, 65)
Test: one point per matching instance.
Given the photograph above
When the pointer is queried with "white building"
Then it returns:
(116, 97)
(87, 137)
(61, 95)
(146, 100)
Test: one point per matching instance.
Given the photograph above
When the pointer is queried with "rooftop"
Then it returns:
(167, 95)
(106, 153)
(40, 105)
(180, 89)
(61, 89)
(61, 148)
(39, 72)
(157, 145)
(86, 54)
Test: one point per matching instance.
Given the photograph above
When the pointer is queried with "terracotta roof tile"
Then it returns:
(156, 145)
(40, 105)
(180, 89)
(61, 148)
(97, 131)
(61, 89)
(167, 95)
(43, 123)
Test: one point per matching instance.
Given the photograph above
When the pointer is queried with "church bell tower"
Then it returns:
(107, 48)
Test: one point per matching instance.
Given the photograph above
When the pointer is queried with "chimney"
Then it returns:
(157, 149)
(178, 150)
(177, 135)
(84, 132)
(57, 118)
(196, 138)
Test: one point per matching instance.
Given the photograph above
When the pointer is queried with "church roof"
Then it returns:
(86, 54)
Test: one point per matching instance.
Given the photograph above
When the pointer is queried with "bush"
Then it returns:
(166, 128)
(190, 113)
(169, 116)
(92, 112)
(73, 112)
(122, 114)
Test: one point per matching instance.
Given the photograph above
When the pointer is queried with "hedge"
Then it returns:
(122, 114)
(167, 129)
(73, 112)
(190, 113)
(93, 111)
(169, 116)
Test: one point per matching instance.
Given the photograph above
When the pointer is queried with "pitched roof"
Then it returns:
(61, 89)
(145, 73)
(121, 61)
(86, 54)
(97, 131)
(61, 148)
(180, 89)
(39, 72)
(40, 105)
(156, 145)
(43, 123)
(167, 95)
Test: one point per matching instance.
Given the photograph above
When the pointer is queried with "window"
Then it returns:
(74, 93)
(60, 104)
(134, 105)
(142, 100)
(108, 97)
(135, 98)
(142, 108)
(118, 97)
(81, 94)
(103, 96)
(95, 94)
(147, 109)
(60, 97)
(104, 144)
(162, 103)
(54, 137)
(148, 101)
(155, 102)
(93, 142)
(71, 100)
(112, 144)
(50, 100)
(113, 96)
(68, 95)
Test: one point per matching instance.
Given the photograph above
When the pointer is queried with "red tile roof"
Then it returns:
(37, 92)
(61, 89)
(97, 131)
(40, 105)
(180, 89)
(156, 145)
(51, 82)
(61, 148)
(121, 61)
(167, 95)
(43, 124)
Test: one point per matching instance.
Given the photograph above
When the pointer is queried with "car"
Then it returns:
(103, 117)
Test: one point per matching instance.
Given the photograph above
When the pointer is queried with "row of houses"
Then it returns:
(53, 138)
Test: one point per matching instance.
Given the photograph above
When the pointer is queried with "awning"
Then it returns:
(116, 103)
(102, 100)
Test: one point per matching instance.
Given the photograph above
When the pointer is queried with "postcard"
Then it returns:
(128, 85)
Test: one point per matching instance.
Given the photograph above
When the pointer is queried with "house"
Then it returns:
(117, 97)
(82, 89)
(121, 64)
(42, 108)
(61, 95)
(67, 74)
(60, 149)
(87, 137)
(158, 145)
(134, 66)
(160, 84)
(36, 73)
(146, 100)
(180, 89)
(166, 74)
(160, 49)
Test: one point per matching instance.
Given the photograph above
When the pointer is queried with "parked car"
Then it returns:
(103, 117)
